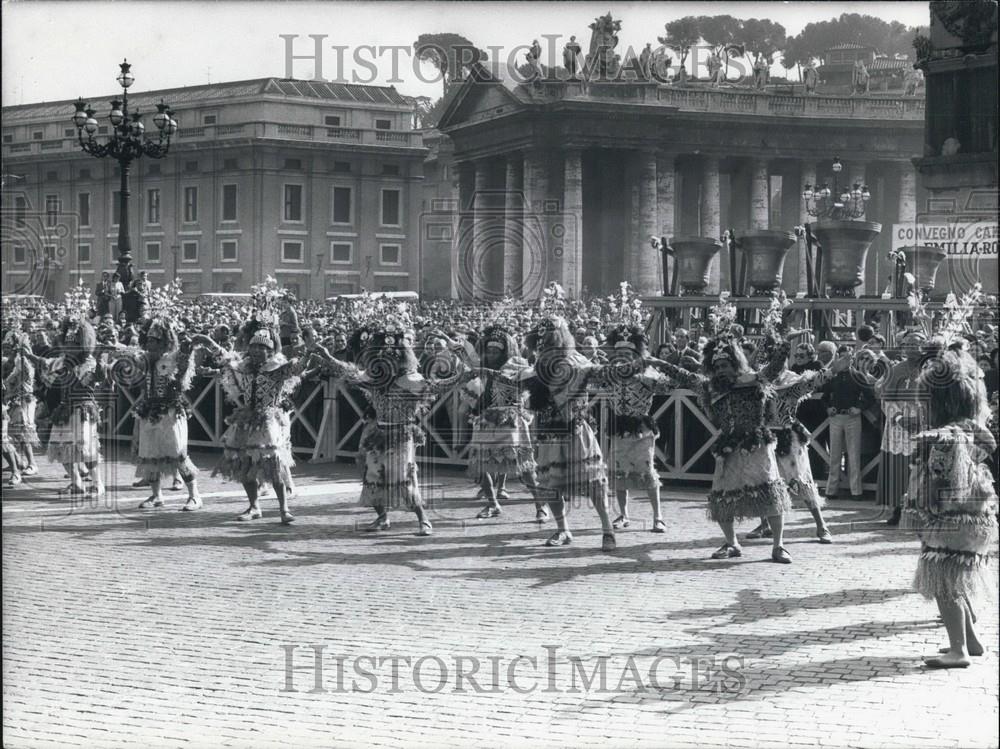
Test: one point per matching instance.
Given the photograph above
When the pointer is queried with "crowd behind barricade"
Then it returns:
(880, 380)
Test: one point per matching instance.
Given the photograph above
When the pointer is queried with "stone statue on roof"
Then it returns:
(571, 57)
(603, 40)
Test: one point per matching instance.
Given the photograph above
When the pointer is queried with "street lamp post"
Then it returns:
(127, 143)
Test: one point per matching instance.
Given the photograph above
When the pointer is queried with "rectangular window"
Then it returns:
(20, 255)
(8, 138)
(116, 207)
(153, 169)
(340, 252)
(390, 170)
(341, 205)
(84, 174)
(83, 253)
(229, 202)
(209, 119)
(342, 167)
(83, 208)
(20, 210)
(37, 135)
(293, 163)
(190, 166)
(52, 176)
(52, 209)
(230, 164)
(383, 124)
(152, 252)
(229, 251)
(389, 254)
(190, 205)
(332, 120)
(390, 208)
(69, 132)
(291, 252)
(153, 206)
(293, 203)
(189, 252)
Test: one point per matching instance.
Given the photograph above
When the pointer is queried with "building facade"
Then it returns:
(316, 184)
(958, 168)
(564, 180)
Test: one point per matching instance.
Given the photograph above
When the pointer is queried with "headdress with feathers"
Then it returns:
(627, 307)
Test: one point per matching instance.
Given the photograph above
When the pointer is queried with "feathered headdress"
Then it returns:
(722, 316)
(264, 300)
(627, 308)
(553, 300)
(165, 301)
(76, 302)
(772, 321)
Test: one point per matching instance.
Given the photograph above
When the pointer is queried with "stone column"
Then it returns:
(571, 259)
(647, 277)
(478, 263)
(710, 218)
(537, 265)
(633, 207)
(462, 246)
(807, 176)
(513, 252)
(666, 181)
(760, 189)
(907, 194)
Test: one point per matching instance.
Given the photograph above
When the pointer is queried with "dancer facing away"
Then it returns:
(569, 455)
(631, 386)
(387, 373)
(19, 386)
(747, 482)
(256, 449)
(501, 436)
(165, 371)
(951, 500)
(787, 391)
(74, 374)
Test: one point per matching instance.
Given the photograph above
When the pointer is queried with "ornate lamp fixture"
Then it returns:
(834, 203)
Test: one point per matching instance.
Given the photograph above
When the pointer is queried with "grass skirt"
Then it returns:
(389, 467)
(955, 551)
(255, 449)
(571, 462)
(22, 429)
(747, 485)
(75, 441)
(161, 446)
(632, 459)
(503, 447)
(795, 470)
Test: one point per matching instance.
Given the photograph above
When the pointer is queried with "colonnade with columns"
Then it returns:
(523, 213)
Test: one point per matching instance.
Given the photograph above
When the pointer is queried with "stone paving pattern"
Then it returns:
(162, 628)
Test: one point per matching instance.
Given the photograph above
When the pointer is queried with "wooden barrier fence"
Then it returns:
(327, 418)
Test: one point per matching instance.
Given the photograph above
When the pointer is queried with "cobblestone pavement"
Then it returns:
(165, 628)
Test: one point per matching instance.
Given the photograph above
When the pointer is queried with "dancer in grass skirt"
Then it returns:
(256, 449)
(74, 374)
(501, 434)
(630, 388)
(569, 457)
(388, 374)
(163, 371)
(746, 483)
(951, 500)
(19, 384)
(787, 391)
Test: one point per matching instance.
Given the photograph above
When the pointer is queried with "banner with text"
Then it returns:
(956, 237)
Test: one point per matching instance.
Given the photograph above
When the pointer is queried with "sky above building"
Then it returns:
(61, 50)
